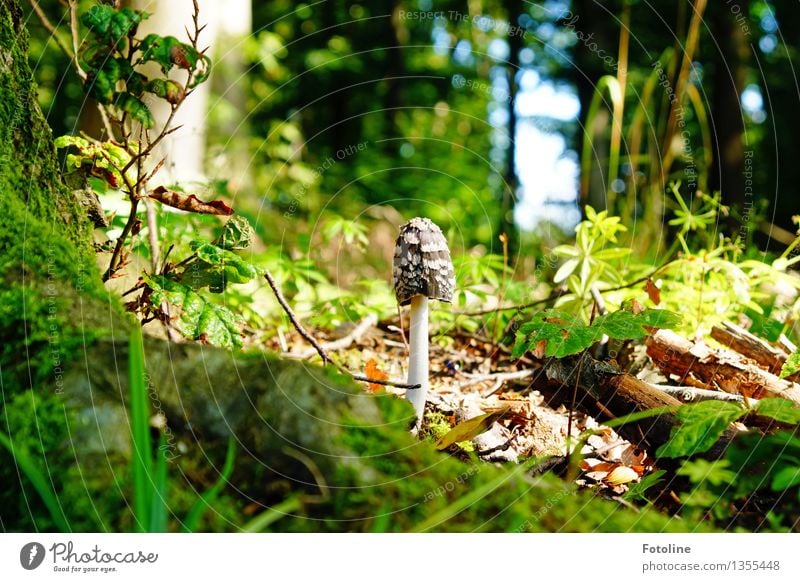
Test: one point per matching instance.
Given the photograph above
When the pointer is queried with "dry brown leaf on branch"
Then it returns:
(653, 292)
(189, 202)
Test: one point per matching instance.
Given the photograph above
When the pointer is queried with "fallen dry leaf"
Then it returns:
(374, 373)
(621, 475)
(469, 429)
(653, 292)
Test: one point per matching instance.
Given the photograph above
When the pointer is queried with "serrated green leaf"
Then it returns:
(111, 24)
(779, 409)
(699, 426)
(627, 325)
(217, 267)
(98, 19)
(102, 82)
(168, 52)
(566, 335)
(136, 108)
(193, 316)
(237, 234)
(791, 365)
(712, 472)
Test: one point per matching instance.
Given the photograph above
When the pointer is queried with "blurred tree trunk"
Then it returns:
(591, 22)
(184, 150)
(726, 115)
(516, 43)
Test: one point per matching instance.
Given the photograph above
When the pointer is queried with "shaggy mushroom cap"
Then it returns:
(422, 264)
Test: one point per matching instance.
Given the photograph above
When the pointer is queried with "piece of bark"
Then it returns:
(689, 394)
(621, 394)
(740, 340)
(696, 363)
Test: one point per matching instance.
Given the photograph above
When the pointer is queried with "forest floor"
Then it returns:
(487, 405)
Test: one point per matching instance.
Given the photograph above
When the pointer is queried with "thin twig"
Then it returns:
(152, 234)
(73, 24)
(293, 318)
(689, 394)
(501, 447)
(340, 344)
(500, 376)
(50, 28)
(361, 378)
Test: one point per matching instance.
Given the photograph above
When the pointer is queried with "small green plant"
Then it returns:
(149, 468)
(553, 333)
(27, 466)
(594, 261)
(754, 465)
(174, 296)
(109, 61)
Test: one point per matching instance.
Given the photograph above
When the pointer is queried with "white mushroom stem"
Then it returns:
(418, 360)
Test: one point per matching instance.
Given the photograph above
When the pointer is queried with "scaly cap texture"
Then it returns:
(422, 264)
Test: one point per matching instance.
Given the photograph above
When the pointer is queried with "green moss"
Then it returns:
(436, 425)
(396, 486)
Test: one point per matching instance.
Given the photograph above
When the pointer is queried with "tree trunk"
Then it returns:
(730, 73)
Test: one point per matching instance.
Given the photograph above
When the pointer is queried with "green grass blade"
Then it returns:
(158, 502)
(140, 431)
(271, 515)
(207, 499)
(28, 467)
(475, 496)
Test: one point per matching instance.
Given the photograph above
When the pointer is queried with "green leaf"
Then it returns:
(791, 365)
(712, 472)
(207, 499)
(217, 268)
(785, 478)
(135, 108)
(98, 19)
(193, 316)
(236, 235)
(565, 270)
(700, 425)
(110, 24)
(101, 83)
(168, 52)
(26, 466)
(565, 334)
(627, 325)
(141, 458)
(779, 409)
(638, 491)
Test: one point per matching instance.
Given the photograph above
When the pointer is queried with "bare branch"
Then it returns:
(51, 29)
(293, 318)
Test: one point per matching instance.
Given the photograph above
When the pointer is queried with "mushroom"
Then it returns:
(422, 270)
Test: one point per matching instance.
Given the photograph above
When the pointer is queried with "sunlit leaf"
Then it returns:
(791, 365)
(699, 426)
(469, 429)
(193, 316)
(779, 409)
